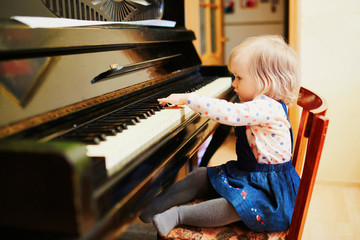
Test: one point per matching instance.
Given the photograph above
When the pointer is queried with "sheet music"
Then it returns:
(49, 22)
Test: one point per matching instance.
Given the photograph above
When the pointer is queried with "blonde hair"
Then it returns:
(273, 65)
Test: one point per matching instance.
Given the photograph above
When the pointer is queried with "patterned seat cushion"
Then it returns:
(235, 231)
(229, 232)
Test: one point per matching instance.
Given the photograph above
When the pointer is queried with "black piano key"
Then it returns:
(149, 103)
(135, 110)
(128, 115)
(142, 107)
(83, 139)
(120, 121)
(147, 112)
(132, 118)
(111, 128)
(151, 111)
(77, 134)
(117, 125)
(152, 106)
(97, 130)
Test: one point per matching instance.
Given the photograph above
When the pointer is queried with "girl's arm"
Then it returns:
(235, 114)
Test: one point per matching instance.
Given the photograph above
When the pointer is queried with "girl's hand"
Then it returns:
(175, 98)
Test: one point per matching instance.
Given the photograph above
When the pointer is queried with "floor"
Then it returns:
(334, 212)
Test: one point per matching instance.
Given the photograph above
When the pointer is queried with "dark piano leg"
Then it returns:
(218, 138)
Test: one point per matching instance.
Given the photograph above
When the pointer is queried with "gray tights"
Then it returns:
(216, 211)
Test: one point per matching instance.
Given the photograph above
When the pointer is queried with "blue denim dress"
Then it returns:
(262, 194)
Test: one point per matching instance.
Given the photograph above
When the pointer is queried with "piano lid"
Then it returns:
(19, 41)
(100, 10)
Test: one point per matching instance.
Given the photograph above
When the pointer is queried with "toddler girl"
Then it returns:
(260, 187)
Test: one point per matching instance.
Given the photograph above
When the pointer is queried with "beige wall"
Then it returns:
(329, 48)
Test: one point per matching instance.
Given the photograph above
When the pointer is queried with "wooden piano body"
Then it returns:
(58, 89)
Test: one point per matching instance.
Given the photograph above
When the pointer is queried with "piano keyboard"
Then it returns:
(141, 130)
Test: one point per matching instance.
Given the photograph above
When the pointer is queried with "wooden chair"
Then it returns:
(306, 157)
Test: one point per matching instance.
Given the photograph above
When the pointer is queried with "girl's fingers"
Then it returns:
(163, 101)
(176, 99)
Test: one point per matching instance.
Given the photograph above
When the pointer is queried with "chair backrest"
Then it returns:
(312, 105)
(307, 152)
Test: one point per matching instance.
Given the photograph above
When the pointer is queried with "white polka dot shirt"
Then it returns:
(267, 126)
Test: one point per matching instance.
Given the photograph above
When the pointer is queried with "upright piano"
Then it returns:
(84, 144)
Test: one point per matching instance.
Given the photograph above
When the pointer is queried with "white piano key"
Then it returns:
(118, 150)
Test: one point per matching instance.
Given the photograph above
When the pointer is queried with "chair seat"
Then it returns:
(228, 232)
(235, 231)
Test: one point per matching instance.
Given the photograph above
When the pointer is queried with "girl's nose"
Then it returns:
(234, 83)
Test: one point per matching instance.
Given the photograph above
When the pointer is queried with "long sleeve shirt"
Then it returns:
(267, 125)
